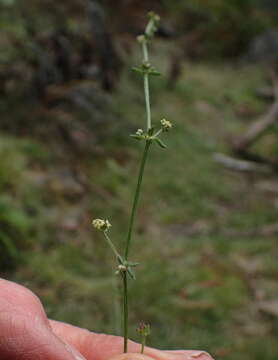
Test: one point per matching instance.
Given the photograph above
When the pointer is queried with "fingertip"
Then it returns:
(190, 354)
(131, 356)
(200, 355)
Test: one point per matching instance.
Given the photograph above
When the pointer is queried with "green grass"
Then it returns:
(191, 287)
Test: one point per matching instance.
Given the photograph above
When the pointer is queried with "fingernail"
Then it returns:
(74, 352)
(197, 354)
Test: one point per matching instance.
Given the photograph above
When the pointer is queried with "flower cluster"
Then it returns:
(139, 132)
(166, 125)
(143, 329)
(152, 25)
(150, 136)
(121, 269)
(140, 135)
(151, 28)
(100, 224)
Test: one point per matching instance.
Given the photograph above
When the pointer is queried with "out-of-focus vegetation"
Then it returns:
(222, 28)
(67, 106)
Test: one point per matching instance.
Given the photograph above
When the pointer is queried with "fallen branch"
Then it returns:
(241, 165)
(259, 127)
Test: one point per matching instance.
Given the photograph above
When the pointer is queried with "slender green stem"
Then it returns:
(145, 51)
(117, 306)
(136, 197)
(146, 86)
(145, 153)
(130, 228)
(125, 293)
(157, 133)
(112, 246)
(125, 310)
(143, 343)
(147, 100)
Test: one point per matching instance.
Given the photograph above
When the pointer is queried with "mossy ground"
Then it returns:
(199, 267)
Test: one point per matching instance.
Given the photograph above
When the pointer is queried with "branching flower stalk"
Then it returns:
(144, 331)
(125, 267)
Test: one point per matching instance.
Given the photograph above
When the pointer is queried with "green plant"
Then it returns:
(15, 226)
(149, 136)
(143, 330)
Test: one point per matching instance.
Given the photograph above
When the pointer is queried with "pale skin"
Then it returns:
(27, 334)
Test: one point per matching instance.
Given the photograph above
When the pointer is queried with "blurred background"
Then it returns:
(206, 232)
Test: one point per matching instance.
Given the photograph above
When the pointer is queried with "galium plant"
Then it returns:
(151, 134)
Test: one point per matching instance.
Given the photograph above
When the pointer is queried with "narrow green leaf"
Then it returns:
(160, 143)
(137, 137)
(154, 73)
(138, 69)
(133, 264)
(131, 274)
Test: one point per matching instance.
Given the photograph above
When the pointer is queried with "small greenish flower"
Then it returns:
(139, 135)
(166, 125)
(146, 65)
(100, 224)
(143, 329)
(154, 16)
(121, 268)
(141, 39)
(152, 25)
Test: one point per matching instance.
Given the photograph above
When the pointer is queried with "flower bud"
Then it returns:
(143, 329)
(154, 16)
(141, 39)
(121, 269)
(101, 224)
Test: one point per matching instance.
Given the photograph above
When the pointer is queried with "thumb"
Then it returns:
(24, 338)
(25, 331)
